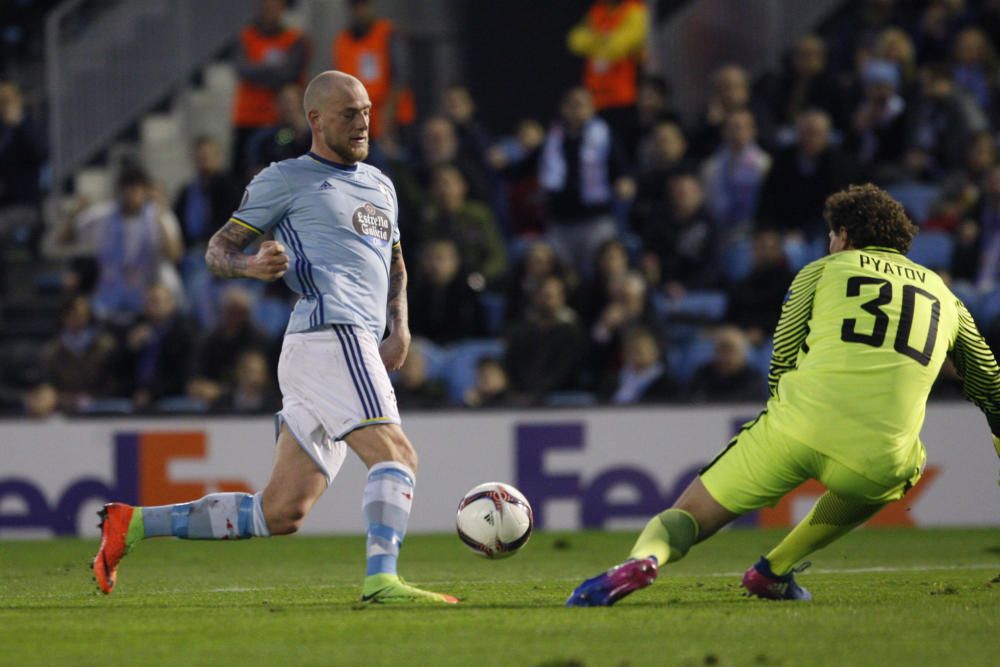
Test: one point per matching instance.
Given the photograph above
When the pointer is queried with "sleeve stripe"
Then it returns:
(245, 224)
(976, 365)
(793, 327)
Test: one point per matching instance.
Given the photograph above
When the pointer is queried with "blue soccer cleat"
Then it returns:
(609, 587)
(760, 581)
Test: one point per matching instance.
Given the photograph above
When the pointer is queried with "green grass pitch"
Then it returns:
(882, 597)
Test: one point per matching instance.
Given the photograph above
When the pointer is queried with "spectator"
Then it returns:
(234, 336)
(438, 146)
(980, 155)
(159, 350)
(271, 55)
(612, 39)
(470, 224)
(203, 206)
(414, 389)
(975, 68)
(41, 401)
(579, 170)
(629, 306)
(944, 119)
(654, 105)
(443, 306)
(537, 262)
(515, 160)
(754, 302)
(79, 361)
(254, 390)
(953, 204)
(492, 388)
(664, 154)
(611, 264)
(134, 243)
(519, 150)
(803, 176)
(733, 177)
(205, 203)
(545, 348)
(22, 155)
(473, 140)
(289, 138)
(371, 49)
(728, 377)
(643, 376)
(894, 45)
(729, 92)
(678, 239)
(977, 239)
(936, 29)
(858, 29)
(804, 83)
(878, 129)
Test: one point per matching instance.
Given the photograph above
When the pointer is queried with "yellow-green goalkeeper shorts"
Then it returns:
(760, 465)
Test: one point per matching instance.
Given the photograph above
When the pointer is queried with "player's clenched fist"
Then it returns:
(270, 262)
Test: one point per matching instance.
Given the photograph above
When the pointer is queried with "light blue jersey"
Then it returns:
(338, 225)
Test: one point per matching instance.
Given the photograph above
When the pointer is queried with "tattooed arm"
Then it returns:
(226, 259)
(394, 348)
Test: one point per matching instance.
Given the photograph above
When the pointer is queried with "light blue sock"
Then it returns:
(387, 501)
(217, 516)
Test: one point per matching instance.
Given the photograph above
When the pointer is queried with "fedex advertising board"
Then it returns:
(579, 468)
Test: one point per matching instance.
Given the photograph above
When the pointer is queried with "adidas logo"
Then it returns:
(326, 186)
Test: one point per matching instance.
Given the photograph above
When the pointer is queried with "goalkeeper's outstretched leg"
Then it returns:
(667, 537)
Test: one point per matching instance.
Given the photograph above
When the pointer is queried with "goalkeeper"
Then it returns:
(862, 336)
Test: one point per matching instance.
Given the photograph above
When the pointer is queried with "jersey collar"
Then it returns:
(331, 163)
(881, 249)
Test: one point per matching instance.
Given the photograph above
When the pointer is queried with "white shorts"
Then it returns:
(332, 382)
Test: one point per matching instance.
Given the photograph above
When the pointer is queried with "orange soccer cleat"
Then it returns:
(116, 519)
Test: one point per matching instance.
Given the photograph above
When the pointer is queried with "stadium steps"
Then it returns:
(206, 110)
(94, 183)
(164, 142)
(165, 139)
(165, 150)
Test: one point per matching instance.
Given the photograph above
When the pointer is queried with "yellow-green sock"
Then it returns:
(830, 518)
(667, 536)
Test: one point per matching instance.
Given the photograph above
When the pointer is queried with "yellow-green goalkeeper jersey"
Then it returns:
(861, 339)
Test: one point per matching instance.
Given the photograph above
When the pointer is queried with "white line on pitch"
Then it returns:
(682, 575)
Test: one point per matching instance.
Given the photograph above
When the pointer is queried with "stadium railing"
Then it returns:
(107, 66)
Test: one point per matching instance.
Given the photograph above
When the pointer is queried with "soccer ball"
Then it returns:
(494, 520)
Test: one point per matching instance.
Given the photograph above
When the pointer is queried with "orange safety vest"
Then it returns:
(368, 59)
(255, 106)
(613, 84)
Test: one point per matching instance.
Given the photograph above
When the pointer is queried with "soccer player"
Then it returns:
(338, 219)
(861, 338)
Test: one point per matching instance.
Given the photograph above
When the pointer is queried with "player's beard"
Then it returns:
(346, 151)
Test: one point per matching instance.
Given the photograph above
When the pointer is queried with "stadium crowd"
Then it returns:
(611, 253)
